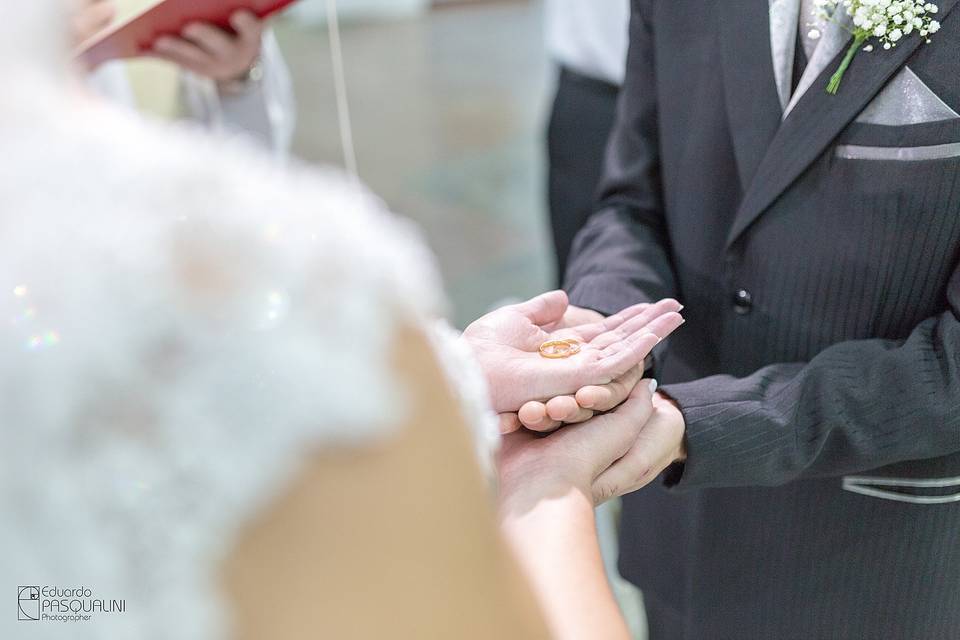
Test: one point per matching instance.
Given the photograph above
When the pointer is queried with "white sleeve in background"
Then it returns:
(110, 81)
(589, 36)
(265, 110)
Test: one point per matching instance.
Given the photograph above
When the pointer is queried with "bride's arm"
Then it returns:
(398, 540)
(548, 492)
(557, 547)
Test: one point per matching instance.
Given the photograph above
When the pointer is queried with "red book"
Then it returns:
(136, 36)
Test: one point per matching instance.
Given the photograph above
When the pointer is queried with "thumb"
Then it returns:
(546, 308)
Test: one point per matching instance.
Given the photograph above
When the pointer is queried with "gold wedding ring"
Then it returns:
(556, 349)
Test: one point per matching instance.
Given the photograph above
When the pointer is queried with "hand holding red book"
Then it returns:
(138, 35)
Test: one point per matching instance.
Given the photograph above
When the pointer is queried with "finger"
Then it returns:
(618, 358)
(248, 27)
(545, 308)
(666, 324)
(608, 396)
(182, 52)
(213, 40)
(533, 415)
(637, 323)
(566, 410)
(646, 314)
(509, 422)
(649, 455)
(590, 331)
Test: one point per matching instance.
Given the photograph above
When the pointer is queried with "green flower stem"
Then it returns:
(859, 38)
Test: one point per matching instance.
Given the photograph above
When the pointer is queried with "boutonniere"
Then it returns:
(889, 21)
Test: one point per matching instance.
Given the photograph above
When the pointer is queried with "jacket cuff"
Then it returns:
(734, 435)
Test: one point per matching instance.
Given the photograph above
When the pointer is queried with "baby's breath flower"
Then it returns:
(889, 21)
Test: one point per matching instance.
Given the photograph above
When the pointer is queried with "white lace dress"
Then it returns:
(182, 324)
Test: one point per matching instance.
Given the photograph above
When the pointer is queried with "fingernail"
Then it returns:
(653, 386)
(682, 307)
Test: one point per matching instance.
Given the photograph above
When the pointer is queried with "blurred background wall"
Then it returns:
(449, 103)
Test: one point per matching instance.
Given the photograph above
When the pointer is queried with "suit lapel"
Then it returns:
(753, 106)
(815, 121)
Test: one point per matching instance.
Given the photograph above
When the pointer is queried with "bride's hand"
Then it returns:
(548, 488)
(507, 341)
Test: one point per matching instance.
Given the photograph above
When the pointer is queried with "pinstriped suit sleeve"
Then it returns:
(622, 255)
(856, 406)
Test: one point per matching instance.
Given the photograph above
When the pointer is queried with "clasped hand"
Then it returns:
(637, 432)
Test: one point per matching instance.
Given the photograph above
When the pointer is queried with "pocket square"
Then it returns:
(912, 490)
(903, 154)
(906, 100)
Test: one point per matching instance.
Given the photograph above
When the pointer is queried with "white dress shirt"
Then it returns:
(264, 110)
(589, 36)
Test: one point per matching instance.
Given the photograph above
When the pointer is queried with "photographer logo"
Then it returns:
(64, 604)
(28, 602)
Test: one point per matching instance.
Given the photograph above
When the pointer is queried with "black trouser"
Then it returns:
(580, 124)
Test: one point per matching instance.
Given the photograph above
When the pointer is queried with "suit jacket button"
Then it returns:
(742, 302)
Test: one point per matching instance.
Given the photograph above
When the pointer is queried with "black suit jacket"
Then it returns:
(819, 370)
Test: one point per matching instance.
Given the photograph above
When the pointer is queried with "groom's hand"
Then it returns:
(608, 456)
(534, 467)
(660, 443)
